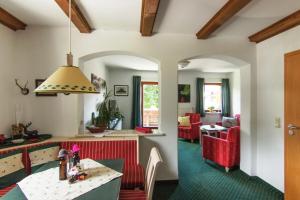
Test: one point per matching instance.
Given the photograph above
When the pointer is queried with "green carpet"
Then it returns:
(206, 180)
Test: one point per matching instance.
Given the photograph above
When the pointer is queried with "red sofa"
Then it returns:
(225, 150)
(190, 132)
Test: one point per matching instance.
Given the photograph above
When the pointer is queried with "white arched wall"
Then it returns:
(60, 115)
(94, 56)
(248, 136)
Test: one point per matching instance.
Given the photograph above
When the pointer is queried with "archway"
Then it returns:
(248, 137)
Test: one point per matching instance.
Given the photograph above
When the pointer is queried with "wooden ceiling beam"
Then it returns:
(149, 12)
(11, 21)
(224, 14)
(77, 17)
(277, 28)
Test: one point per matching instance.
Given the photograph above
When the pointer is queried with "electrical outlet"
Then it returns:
(277, 122)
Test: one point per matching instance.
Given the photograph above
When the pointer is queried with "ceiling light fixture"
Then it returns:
(183, 64)
(67, 79)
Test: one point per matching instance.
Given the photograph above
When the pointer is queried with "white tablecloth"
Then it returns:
(47, 186)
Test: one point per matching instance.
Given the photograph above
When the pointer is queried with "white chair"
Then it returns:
(153, 163)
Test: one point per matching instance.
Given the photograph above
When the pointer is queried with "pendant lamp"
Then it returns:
(67, 79)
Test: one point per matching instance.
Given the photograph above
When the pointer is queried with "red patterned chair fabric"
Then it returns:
(190, 132)
(224, 150)
(6, 190)
(132, 195)
(133, 177)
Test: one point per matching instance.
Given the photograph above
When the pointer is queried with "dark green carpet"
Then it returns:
(206, 180)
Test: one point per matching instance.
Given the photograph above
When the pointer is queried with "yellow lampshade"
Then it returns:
(67, 79)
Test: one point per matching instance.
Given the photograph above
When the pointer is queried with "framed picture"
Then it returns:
(99, 83)
(184, 93)
(38, 82)
(121, 90)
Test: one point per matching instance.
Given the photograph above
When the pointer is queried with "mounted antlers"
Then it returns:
(24, 90)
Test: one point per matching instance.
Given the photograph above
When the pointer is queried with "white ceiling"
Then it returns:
(174, 16)
(209, 65)
(128, 62)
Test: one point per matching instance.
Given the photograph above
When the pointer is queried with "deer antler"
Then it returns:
(16, 80)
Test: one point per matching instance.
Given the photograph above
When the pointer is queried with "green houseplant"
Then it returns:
(105, 114)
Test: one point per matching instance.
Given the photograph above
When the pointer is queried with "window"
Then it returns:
(213, 97)
(150, 112)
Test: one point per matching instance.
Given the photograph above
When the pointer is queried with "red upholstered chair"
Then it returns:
(224, 150)
(190, 132)
(154, 161)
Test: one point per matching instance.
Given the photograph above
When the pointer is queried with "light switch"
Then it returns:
(277, 122)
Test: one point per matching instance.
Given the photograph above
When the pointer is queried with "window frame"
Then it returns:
(215, 110)
(142, 99)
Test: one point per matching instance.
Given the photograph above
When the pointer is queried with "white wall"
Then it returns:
(41, 49)
(7, 85)
(270, 99)
(124, 77)
(91, 101)
(235, 92)
(189, 77)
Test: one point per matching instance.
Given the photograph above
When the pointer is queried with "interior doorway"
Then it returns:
(292, 125)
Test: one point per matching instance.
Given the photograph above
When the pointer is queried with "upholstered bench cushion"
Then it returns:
(40, 155)
(11, 168)
(133, 177)
(132, 195)
(6, 190)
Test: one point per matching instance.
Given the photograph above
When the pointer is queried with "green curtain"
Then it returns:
(136, 102)
(225, 98)
(200, 96)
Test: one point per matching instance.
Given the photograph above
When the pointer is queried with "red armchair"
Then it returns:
(225, 150)
(190, 132)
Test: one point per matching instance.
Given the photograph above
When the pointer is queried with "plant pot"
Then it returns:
(96, 129)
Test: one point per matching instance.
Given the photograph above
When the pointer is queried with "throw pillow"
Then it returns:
(228, 122)
(184, 121)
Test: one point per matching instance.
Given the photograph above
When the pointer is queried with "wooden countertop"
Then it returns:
(107, 136)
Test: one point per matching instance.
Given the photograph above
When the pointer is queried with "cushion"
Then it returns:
(228, 122)
(42, 154)
(11, 168)
(6, 190)
(184, 121)
(133, 177)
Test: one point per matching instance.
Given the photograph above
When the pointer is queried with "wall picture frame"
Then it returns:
(184, 93)
(121, 90)
(38, 82)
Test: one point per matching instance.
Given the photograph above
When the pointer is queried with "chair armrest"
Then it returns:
(223, 135)
(196, 124)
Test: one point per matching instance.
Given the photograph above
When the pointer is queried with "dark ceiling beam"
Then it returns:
(277, 28)
(11, 21)
(224, 14)
(149, 12)
(77, 17)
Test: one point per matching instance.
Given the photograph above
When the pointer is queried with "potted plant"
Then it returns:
(102, 121)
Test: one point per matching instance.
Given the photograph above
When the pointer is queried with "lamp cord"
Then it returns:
(70, 35)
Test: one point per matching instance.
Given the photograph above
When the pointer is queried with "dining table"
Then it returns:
(108, 191)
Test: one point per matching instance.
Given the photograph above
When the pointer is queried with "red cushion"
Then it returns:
(132, 195)
(143, 130)
(6, 190)
(133, 177)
